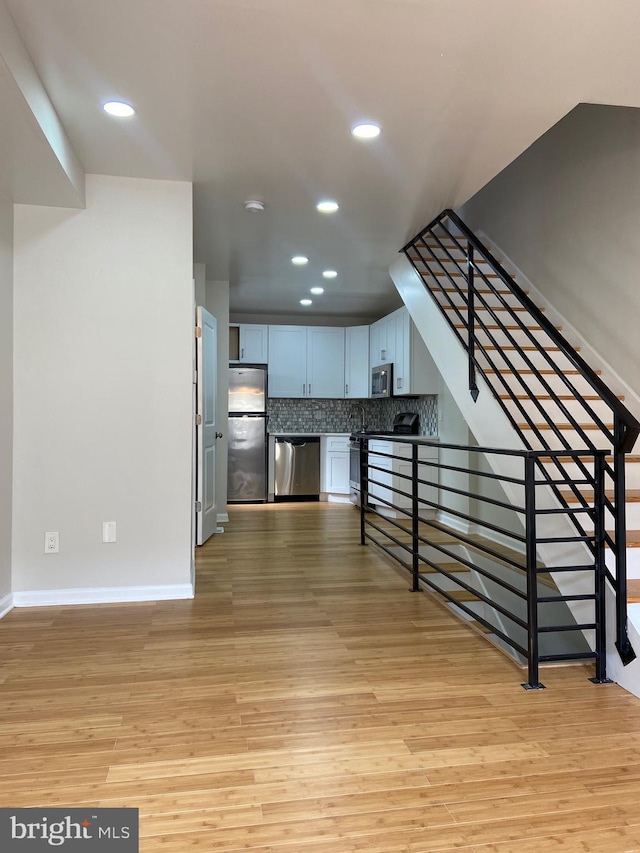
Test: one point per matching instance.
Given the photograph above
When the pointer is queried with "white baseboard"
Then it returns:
(335, 497)
(221, 517)
(6, 604)
(101, 595)
(452, 521)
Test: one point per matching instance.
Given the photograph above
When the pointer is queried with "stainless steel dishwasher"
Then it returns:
(297, 468)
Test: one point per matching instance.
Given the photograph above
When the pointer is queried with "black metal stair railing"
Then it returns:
(490, 576)
(506, 336)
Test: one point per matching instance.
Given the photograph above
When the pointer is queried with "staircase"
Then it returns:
(521, 384)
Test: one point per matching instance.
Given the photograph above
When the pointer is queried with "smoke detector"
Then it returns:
(254, 205)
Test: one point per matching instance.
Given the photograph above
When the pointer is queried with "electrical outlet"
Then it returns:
(52, 543)
(108, 531)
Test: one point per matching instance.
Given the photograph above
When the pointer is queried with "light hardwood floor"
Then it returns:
(307, 702)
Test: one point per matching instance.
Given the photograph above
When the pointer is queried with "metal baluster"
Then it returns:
(600, 603)
(471, 324)
(364, 486)
(415, 542)
(532, 574)
(623, 644)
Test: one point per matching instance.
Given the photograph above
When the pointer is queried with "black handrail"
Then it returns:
(630, 423)
(622, 434)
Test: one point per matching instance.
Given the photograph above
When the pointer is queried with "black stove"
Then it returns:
(404, 423)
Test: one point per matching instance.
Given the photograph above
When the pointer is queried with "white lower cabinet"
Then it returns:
(392, 476)
(334, 463)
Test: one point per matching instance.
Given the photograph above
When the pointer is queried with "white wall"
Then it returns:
(200, 280)
(217, 303)
(103, 348)
(453, 429)
(6, 395)
(567, 213)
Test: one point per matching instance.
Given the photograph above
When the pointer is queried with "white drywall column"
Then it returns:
(103, 383)
(6, 397)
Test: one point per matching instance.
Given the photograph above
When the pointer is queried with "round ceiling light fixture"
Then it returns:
(254, 205)
(327, 206)
(366, 130)
(329, 274)
(118, 108)
(299, 260)
(317, 290)
(306, 302)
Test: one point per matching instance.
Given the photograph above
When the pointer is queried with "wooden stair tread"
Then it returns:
(506, 327)
(485, 291)
(633, 591)
(461, 594)
(542, 372)
(527, 348)
(563, 426)
(633, 538)
(609, 459)
(493, 307)
(549, 397)
(457, 274)
(631, 495)
(452, 568)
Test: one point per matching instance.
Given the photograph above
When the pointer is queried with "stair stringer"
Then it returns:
(492, 428)
(626, 676)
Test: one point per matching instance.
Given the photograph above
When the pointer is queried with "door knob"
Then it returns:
(218, 435)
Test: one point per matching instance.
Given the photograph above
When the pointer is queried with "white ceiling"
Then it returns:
(256, 98)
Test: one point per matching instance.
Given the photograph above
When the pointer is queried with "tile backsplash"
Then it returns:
(298, 415)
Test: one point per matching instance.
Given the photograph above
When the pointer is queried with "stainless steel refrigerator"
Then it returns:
(247, 481)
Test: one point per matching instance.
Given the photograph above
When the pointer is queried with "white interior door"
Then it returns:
(206, 428)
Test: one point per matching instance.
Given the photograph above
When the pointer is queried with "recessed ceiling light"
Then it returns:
(118, 108)
(366, 130)
(327, 206)
(306, 302)
(299, 260)
(317, 290)
(329, 274)
(254, 205)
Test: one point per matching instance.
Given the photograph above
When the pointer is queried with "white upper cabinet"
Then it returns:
(325, 361)
(414, 371)
(248, 342)
(356, 366)
(287, 364)
(417, 372)
(382, 341)
(306, 361)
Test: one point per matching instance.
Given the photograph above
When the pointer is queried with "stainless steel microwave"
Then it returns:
(382, 380)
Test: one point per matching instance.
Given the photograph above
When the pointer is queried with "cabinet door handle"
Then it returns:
(383, 354)
(346, 389)
(399, 382)
(242, 353)
(304, 388)
(309, 391)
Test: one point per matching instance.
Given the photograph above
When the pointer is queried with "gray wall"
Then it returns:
(6, 393)
(567, 212)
